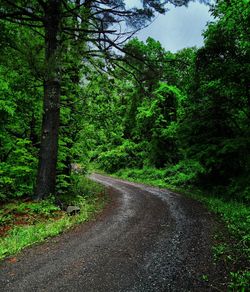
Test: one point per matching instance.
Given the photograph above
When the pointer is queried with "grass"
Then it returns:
(32, 222)
(234, 215)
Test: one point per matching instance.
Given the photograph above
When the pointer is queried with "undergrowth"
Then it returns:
(32, 222)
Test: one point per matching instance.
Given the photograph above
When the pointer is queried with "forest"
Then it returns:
(78, 95)
(181, 117)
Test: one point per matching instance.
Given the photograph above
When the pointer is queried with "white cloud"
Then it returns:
(180, 27)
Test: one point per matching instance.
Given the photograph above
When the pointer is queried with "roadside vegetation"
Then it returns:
(24, 222)
(182, 121)
(177, 120)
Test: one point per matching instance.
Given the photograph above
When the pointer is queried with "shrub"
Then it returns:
(129, 154)
(18, 172)
(185, 172)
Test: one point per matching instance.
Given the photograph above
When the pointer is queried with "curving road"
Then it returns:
(146, 239)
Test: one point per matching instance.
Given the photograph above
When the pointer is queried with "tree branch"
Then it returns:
(22, 11)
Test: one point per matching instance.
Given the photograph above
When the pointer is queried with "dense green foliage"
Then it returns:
(179, 120)
(185, 114)
(54, 41)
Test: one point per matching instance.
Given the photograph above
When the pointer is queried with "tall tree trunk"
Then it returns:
(46, 176)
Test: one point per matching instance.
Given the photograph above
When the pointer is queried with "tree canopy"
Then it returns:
(66, 96)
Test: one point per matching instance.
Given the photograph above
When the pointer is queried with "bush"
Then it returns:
(129, 154)
(239, 189)
(18, 172)
(183, 173)
(44, 218)
(145, 175)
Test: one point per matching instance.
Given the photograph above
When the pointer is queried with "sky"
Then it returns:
(179, 28)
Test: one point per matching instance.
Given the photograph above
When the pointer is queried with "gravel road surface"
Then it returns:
(147, 239)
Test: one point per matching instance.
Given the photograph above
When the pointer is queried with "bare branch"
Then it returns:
(88, 30)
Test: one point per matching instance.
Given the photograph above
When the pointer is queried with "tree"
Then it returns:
(20, 111)
(99, 23)
(137, 109)
(215, 128)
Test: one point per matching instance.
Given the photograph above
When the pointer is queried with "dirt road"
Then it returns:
(147, 239)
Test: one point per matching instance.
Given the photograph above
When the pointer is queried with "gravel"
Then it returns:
(147, 239)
